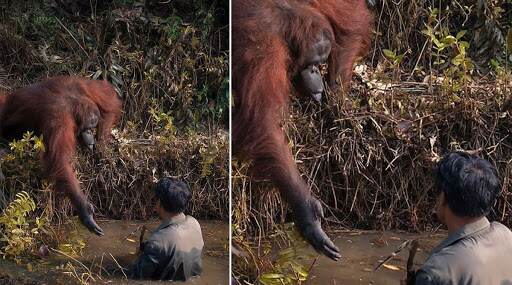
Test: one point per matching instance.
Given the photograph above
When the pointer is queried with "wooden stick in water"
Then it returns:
(141, 237)
(411, 269)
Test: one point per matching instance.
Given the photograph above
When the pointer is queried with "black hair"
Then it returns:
(172, 194)
(470, 184)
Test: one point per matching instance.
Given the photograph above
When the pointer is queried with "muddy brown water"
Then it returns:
(363, 251)
(103, 254)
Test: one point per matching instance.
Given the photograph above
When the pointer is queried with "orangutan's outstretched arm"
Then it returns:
(60, 142)
(263, 87)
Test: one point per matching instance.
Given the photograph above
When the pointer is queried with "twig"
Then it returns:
(75, 260)
(120, 267)
(394, 253)
(69, 32)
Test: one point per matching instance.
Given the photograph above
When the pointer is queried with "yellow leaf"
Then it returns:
(391, 267)
(271, 276)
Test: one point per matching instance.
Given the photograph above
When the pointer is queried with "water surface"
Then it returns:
(102, 256)
(362, 252)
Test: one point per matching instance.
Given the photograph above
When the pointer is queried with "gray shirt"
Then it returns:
(478, 253)
(172, 252)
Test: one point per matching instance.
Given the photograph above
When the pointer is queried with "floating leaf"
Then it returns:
(391, 267)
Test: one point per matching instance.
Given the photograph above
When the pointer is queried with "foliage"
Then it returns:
(398, 25)
(209, 155)
(74, 243)
(23, 154)
(450, 49)
(290, 265)
(18, 229)
(164, 126)
(282, 257)
(21, 166)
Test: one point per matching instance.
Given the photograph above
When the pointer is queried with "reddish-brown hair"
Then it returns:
(55, 108)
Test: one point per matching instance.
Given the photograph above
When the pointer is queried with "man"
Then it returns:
(173, 251)
(476, 251)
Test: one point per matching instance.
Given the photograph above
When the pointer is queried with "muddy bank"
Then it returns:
(102, 257)
(363, 251)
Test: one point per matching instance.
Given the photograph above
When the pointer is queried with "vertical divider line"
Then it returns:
(230, 170)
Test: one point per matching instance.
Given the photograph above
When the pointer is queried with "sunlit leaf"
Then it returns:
(449, 40)
(389, 54)
(391, 267)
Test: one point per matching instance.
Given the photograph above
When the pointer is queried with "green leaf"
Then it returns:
(399, 58)
(389, 54)
(449, 40)
(464, 44)
(438, 44)
(461, 34)
(427, 32)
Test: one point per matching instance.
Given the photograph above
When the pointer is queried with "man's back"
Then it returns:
(173, 251)
(479, 253)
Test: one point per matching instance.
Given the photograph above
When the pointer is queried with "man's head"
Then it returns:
(467, 187)
(172, 197)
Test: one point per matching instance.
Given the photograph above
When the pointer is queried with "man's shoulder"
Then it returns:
(468, 256)
(192, 221)
(174, 230)
(162, 235)
(501, 229)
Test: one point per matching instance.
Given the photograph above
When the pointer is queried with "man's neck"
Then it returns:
(456, 223)
(168, 216)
